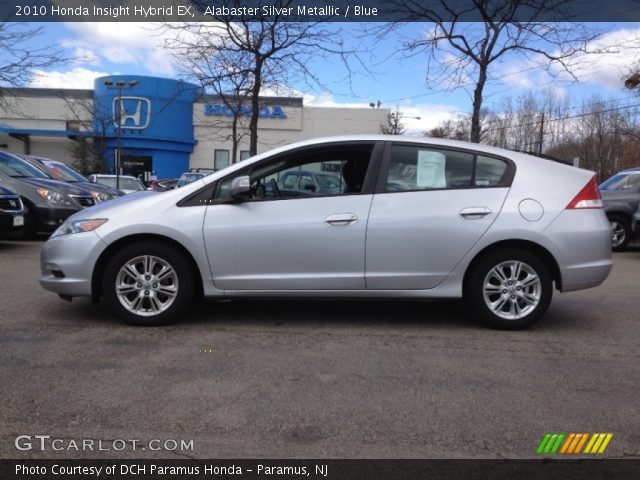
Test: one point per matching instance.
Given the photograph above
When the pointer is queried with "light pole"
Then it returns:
(119, 87)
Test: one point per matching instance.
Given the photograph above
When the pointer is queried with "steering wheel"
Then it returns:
(274, 188)
(258, 191)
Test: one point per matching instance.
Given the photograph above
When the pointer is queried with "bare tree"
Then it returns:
(394, 125)
(239, 58)
(20, 60)
(463, 54)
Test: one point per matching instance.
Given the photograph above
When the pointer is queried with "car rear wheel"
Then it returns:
(620, 233)
(509, 289)
(148, 283)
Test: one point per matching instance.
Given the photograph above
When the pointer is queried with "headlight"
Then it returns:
(51, 196)
(101, 197)
(78, 226)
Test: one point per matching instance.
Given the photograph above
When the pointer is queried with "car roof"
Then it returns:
(112, 176)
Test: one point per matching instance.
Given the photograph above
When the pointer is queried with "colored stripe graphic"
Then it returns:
(573, 443)
(550, 443)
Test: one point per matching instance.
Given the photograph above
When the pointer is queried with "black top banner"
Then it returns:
(319, 10)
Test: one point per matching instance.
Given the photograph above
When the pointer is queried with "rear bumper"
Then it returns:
(580, 241)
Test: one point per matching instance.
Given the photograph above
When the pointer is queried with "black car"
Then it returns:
(47, 202)
(11, 211)
(63, 172)
(621, 198)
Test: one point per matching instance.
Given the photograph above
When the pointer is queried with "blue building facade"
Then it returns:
(150, 119)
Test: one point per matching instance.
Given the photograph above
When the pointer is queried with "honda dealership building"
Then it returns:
(163, 127)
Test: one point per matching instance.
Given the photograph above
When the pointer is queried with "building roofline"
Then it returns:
(46, 92)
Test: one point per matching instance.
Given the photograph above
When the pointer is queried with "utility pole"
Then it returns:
(541, 135)
(119, 86)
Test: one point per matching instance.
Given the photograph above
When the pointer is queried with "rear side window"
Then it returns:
(417, 168)
(414, 167)
(489, 171)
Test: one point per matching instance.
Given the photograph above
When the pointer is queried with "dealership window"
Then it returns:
(244, 154)
(220, 159)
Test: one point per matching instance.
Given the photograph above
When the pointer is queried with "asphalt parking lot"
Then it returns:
(315, 379)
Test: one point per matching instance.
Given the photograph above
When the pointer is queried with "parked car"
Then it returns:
(621, 197)
(636, 223)
(190, 177)
(47, 202)
(127, 183)
(162, 185)
(63, 172)
(11, 211)
(304, 181)
(496, 227)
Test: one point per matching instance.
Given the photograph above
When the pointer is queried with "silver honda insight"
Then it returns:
(401, 217)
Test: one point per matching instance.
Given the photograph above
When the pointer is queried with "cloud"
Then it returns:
(417, 118)
(127, 43)
(610, 57)
(76, 78)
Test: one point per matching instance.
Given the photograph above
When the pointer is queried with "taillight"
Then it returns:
(588, 197)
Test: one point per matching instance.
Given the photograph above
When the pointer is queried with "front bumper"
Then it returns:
(635, 224)
(67, 263)
(8, 223)
(50, 218)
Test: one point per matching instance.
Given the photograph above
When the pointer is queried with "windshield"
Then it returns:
(125, 183)
(60, 171)
(622, 181)
(15, 167)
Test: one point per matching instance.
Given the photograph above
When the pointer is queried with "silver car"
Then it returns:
(415, 218)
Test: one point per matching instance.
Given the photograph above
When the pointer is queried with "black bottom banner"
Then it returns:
(197, 469)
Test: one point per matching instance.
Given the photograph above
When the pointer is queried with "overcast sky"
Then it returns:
(135, 48)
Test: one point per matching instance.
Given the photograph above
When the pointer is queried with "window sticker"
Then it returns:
(431, 169)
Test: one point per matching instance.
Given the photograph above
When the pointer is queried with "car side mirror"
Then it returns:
(241, 188)
(309, 187)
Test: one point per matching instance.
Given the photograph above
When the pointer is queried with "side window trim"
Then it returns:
(383, 173)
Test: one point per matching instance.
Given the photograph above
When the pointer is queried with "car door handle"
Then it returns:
(338, 219)
(473, 213)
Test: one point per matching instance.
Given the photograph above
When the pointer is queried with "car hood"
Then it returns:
(97, 187)
(6, 191)
(118, 205)
(56, 185)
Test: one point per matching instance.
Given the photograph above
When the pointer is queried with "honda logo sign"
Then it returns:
(132, 112)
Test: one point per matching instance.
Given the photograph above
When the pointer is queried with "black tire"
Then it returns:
(185, 287)
(30, 228)
(620, 231)
(479, 273)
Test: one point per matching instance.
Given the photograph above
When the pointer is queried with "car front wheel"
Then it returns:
(509, 289)
(148, 283)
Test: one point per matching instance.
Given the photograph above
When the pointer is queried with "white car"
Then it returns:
(125, 183)
(415, 218)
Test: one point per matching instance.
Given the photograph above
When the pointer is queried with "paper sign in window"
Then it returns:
(431, 169)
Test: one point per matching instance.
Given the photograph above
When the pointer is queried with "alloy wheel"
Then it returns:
(512, 289)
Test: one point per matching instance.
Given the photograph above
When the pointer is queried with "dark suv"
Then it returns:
(47, 202)
(11, 211)
(621, 197)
